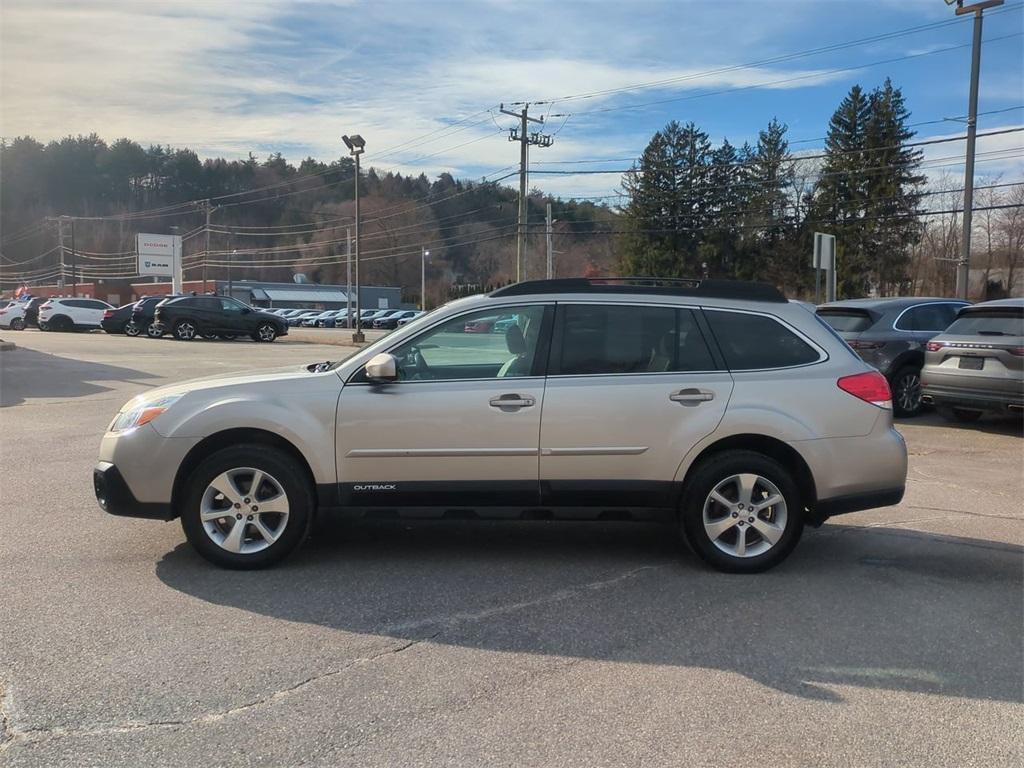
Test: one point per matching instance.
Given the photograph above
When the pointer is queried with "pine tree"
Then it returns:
(769, 178)
(841, 193)
(891, 211)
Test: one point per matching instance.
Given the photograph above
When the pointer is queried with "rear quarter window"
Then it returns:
(752, 342)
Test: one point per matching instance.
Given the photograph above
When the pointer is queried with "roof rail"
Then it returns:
(662, 286)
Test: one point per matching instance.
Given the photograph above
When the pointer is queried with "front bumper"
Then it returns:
(114, 495)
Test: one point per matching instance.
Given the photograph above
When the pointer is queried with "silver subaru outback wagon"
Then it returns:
(720, 407)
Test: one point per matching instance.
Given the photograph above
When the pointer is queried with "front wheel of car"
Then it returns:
(131, 330)
(185, 330)
(17, 324)
(742, 512)
(906, 391)
(247, 506)
(265, 332)
(154, 331)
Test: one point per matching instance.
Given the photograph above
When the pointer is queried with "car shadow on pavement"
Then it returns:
(992, 424)
(867, 607)
(26, 374)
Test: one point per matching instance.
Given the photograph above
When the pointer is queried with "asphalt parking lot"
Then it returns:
(890, 638)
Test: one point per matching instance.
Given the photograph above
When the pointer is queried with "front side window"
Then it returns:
(230, 305)
(488, 344)
(602, 339)
(751, 342)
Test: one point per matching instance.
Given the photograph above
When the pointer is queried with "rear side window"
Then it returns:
(927, 317)
(750, 342)
(846, 320)
(988, 323)
(631, 339)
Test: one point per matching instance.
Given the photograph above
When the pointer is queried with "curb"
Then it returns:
(7, 346)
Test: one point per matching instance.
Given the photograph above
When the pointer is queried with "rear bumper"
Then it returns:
(855, 502)
(981, 399)
(114, 496)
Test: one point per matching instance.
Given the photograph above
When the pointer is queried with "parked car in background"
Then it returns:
(320, 320)
(406, 320)
(301, 317)
(891, 335)
(976, 365)
(13, 316)
(143, 320)
(116, 320)
(32, 310)
(72, 314)
(390, 321)
(724, 410)
(186, 317)
(481, 325)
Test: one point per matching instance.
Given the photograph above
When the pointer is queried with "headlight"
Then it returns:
(141, 411)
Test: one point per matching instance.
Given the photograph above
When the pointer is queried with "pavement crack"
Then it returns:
(13, 735)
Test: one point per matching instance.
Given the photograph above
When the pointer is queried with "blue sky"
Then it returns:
(226, 78)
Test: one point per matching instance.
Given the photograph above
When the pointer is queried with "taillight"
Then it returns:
(870, 386)
(934, 346)
(865, 344)
(108, 313)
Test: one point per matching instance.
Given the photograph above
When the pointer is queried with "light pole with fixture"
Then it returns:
(424, 253)
(963, 266)
(356, 146)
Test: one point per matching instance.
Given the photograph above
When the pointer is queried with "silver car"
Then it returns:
(719, 407)
(976, 365)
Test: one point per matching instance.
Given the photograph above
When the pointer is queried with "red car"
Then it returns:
(483, 325)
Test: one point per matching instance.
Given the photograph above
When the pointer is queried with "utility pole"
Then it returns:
(231, 258)
(357, 145)
(963, 267)
(348, 277)
(550, 272)
(60, 239)
(423, 277)
(206, 253)
(525, 139)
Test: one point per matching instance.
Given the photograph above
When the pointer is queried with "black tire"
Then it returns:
(265, 332)
(210, 336)
(906, 391)
(963, 415)
(131, 329)
(185, 330)
(17, 324)
(709, 475)
(153, 331)
(276, 463)
(61, 323)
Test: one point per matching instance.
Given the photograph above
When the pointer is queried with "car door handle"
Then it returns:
(691, 396)
(512, 401)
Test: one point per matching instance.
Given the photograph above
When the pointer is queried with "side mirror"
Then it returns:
(245, 310)
(382, 367)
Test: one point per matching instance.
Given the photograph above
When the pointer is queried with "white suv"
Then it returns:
(13, 316)
(720, 407)
(71, 314)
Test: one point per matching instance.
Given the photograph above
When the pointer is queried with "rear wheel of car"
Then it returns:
(17, 324)
(964, 415)
(265, 332)
(154, 331)
(742, 512)
(131, 330)
(184, 330)
(247, 506)
(61, 323)
(906, 391)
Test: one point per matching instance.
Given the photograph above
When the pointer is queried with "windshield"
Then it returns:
(987, 323)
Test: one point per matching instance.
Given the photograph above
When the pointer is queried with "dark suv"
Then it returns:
(186, 317)
(891, 335)
(143, 320)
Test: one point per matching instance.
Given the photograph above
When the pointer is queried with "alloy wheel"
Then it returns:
(908, 392)
(266, 332)
(745, 515)
(185, 330)
(131, 329)
(154, 331)
(244, 510)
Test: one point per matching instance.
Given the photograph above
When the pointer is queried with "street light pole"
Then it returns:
(423, 277)
(357, 145)
(963, 266)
